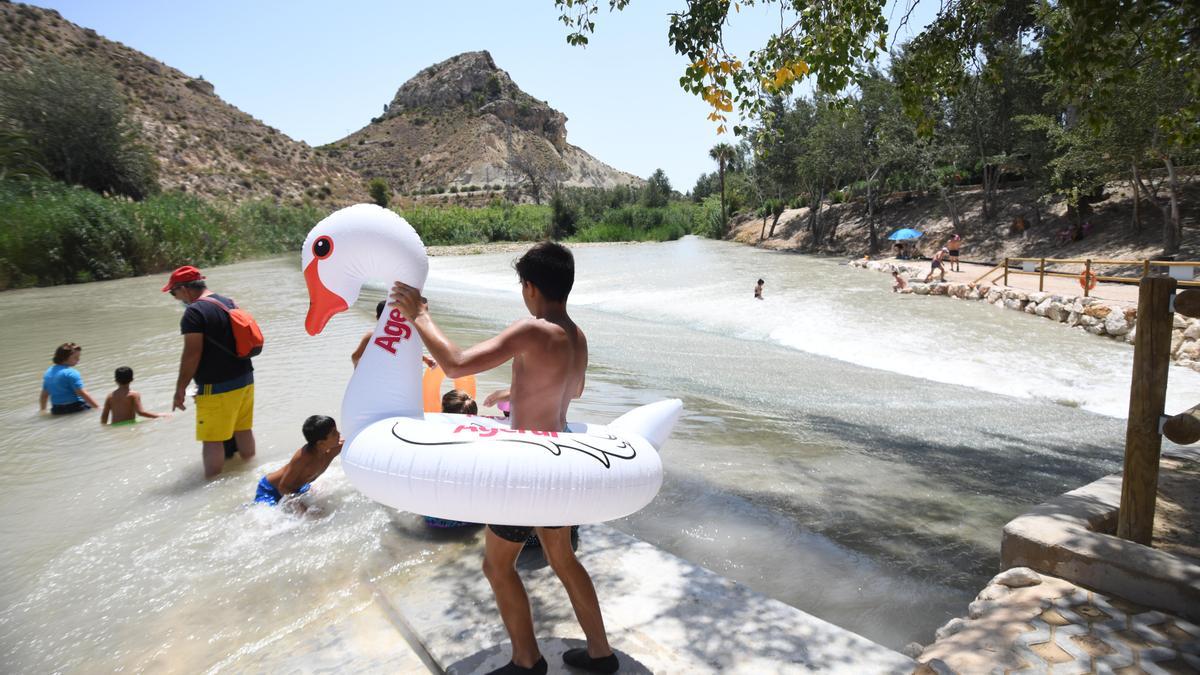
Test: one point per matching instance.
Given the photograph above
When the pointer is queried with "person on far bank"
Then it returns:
(62, 385)
(937, 264)
(224, 381)
(953, 247)
(758, 289)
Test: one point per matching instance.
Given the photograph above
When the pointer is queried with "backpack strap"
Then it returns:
(220, 304)
(223, 306)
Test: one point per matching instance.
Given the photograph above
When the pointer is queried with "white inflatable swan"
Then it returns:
(461, 467)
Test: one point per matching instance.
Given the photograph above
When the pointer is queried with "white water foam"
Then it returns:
(818, 307)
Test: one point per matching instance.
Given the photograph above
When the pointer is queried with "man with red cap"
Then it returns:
(224, 381)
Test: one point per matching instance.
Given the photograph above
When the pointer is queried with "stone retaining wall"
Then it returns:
(1098, 317)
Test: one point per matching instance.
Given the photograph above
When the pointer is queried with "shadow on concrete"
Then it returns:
(552, 648)
(704, 618)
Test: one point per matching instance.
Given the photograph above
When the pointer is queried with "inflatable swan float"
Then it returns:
(461, 467)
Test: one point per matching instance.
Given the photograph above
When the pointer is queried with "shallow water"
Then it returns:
(849, 451)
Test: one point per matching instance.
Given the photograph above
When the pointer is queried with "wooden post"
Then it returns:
(1042, 276)
(1087, 276)
(1145, 268)
(1147, 398)
(1006, 271)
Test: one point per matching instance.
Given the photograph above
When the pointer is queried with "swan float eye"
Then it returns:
(322, 247)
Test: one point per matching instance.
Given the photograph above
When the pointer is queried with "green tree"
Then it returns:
(75, 120)
(723, 153)
(564, 216)
(1088, 46)
(657, 192)
(379, 191)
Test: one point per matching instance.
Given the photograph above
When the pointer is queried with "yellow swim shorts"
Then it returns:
(219, 415)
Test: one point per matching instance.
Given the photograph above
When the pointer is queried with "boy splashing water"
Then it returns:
(549, 354)
(323, 443)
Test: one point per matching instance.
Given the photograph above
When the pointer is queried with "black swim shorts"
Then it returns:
(517, 534)
(68, 408)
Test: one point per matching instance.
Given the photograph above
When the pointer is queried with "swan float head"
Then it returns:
(352, 246)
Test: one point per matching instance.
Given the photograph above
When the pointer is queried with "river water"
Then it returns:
(848, 451)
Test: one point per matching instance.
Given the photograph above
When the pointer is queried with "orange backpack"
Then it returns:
(247, 336)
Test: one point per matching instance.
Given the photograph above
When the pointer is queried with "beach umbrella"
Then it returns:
(904, 234)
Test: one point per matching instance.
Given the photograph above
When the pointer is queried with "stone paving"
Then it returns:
(1025, 622)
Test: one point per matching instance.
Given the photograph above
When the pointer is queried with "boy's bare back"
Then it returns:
(303, 468)
(123, 405)
(548, 373)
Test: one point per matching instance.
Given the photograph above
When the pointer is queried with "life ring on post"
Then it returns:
(1087, 280)
(431, 388)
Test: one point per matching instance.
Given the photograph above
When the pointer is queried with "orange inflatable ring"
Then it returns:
(1087, 280)
(431, 387)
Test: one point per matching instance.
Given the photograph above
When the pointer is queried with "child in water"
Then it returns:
(758, 289)
(62, 385)
(366, 339)
(356, 356)
(458, 401)
(900, 282)
(125, 404)
(322, 444)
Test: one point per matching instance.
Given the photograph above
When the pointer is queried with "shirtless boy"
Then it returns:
(322, 444)
(549, 354)
(125, 404)
(938, 265)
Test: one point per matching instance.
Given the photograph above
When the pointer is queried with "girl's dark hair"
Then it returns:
(457, 401)
(64, 352)
(550, 267)
(379, 308)
(317, 428)
(761, 281)
(123, 375)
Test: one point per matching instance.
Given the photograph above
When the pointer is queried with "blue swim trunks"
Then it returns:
(268, 494)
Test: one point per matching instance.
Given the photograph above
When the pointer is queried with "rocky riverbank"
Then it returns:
(1116, 320)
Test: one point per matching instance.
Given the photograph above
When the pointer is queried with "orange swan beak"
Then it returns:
(322, 302)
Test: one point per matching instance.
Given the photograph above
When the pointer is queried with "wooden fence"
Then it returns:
(1183, 270)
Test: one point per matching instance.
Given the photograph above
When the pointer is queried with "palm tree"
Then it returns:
(722, 152)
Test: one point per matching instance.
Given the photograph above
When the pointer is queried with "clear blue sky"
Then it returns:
(319, 70)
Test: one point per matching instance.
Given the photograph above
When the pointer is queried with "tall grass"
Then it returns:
(51, 233)
(461, 225)
(642, 223)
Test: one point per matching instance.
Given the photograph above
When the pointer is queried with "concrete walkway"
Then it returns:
(663, 615)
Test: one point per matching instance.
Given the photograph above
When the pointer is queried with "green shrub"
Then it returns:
(378, 189)
(74, 119)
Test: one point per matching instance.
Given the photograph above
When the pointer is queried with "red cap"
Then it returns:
(181, 275)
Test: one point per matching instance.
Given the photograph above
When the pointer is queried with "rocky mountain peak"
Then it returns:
(471, 81)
